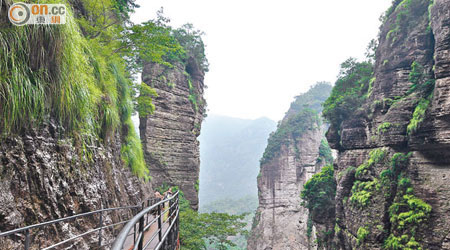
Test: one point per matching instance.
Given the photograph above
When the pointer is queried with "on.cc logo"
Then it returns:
(19, 14)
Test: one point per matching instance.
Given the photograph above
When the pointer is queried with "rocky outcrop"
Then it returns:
(291, 158)
(392, 171)
(169, 135)
(44, 177)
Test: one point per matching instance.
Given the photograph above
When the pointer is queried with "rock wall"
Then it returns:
(43, 177)
(404, 174)
(169, 135)
(281, 222)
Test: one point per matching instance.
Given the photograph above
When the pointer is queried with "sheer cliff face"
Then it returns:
(400, 190)
(43, 178)
(291, 158)
(169, 135)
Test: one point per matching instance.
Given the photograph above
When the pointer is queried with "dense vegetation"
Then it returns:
(199, 230)
(423, 84)
(325, 153)
(407, 213)
(318, 194)
(312, 99)
(383, 177)
(243, 206)
(301, 117)
(352, 87)
(79, 75)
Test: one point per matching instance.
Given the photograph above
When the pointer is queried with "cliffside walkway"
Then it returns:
(155, 226)
(160, 233)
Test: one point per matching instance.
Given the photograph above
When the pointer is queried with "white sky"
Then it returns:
(263, 53)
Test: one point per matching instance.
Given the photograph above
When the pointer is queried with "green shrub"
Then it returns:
(76, 76)
(145, 104)
(407, 214)
(362, 233)
(309, 227)
(418, 115)
(132, 153)
(362, 192)
(420, 80)
(198, 228)
(319, 192)
(384, 127)
(404, 19)
(197, 186)
(349, 91)
(294, 127)
(192, 95)
(325, 152)
(375, 156)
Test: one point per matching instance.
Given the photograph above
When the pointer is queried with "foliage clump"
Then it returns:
(407, 214)
(294, 127)
(421, 81)
(349, 92)
(418, 115)
(362, 233)
(303, 115)
(406, 12)
(312, 99)
(325, 152)
(362, 192)
(198, 229)
(424, 84)
(145, 105)
(384, 127)
(319, 192)
(375, 157)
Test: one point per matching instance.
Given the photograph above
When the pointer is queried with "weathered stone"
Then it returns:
(282, 219)
(43, 178)
(170, 134)
(428, 167)
(281, 222)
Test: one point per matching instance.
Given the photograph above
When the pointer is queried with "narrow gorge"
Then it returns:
(101, 111)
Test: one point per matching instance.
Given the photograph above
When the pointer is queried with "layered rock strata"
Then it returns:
(291, 158)
(169, 135)
(398, 195)
(43, 177)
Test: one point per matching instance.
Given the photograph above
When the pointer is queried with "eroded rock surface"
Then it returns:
(281, 221)
(43, 177)
(422, 38)
(170, 134)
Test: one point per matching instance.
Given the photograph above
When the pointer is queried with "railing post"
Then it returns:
(27, 239)
(148, 205)
(134, 234)
(100, 230)
(171, 209)
(159, 223)
(141, 231)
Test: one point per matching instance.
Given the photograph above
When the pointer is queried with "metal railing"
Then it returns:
(167, 227)
(26, 231)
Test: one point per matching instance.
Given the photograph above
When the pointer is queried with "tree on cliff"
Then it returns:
(352, 87)
(198, 228)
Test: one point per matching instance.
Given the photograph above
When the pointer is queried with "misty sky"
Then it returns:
(263, 53)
